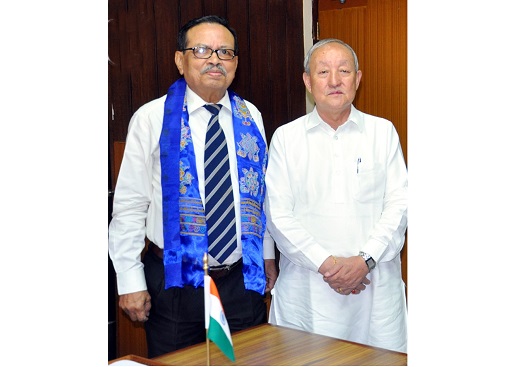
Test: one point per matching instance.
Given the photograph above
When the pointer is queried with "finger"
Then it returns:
(360, 287)
(147, 306)
(140, 315)
(146, 311)
(343, 291)
(132, 315)
(333, 271)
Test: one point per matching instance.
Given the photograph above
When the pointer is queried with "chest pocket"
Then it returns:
(369, 184)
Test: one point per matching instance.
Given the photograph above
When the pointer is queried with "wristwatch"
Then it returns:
(370, 262)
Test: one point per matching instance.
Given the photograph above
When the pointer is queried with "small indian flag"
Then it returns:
(216, 323)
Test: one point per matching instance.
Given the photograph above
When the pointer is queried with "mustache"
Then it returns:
(218, 66)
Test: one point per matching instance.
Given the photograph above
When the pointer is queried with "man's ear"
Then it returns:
(179, 61)
(358, 77)
(306, 80)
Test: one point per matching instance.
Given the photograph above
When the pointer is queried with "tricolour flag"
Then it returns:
(216, 322)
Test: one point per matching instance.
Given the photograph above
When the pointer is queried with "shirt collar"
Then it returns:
(194, 102)
(355, 117)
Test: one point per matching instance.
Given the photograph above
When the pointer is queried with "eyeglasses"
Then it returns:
(203, 52)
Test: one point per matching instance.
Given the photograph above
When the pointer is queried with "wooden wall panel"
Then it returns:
(166, 30)
(238, 13)
(292, 47)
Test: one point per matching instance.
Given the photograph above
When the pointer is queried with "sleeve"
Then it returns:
(132, 197)
(268, 247)
(386, 239)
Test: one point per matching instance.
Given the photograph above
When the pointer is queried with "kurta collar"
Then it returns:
(355, 117)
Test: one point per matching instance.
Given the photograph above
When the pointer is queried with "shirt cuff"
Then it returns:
(269, 251)
(375, 249)
(131, 281)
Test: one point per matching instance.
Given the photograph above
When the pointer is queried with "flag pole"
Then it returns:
(205, 266)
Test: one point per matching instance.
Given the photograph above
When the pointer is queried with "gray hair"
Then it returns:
(323, 42)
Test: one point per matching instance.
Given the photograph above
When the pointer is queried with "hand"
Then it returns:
(347, 275)
(136, 305)
(271, 274)
(361, 287)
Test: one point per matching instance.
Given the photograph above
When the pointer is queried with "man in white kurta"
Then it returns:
(337, 186)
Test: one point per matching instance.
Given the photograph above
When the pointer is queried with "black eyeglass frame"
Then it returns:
(211, 54)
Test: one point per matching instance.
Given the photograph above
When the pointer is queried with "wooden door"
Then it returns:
(377, 31)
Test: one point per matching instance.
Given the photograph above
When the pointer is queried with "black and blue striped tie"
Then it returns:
(220, 211)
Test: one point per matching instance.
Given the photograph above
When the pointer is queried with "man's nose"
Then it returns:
(335, 79)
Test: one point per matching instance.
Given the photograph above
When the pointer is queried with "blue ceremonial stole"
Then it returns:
(184, 222)
(252, 160)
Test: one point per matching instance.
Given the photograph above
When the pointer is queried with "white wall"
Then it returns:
(307, 39)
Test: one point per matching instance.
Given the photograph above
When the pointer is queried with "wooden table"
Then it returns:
(270, 345)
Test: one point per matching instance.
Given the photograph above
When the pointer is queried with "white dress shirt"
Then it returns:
(137, 207)
(338, 192)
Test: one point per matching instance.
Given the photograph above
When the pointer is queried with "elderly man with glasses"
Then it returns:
(192, 182)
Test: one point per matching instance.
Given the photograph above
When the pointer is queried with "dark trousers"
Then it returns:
(176, 319)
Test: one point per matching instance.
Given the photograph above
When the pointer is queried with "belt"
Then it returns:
(221, 271)
(215, 272)
(157, 251)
